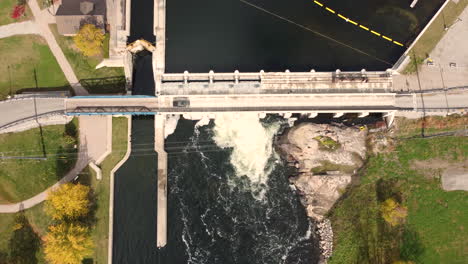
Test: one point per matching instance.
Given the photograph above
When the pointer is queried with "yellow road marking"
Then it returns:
(343, 17)
(318, 3)
(331, 10)
(352, 22)
(357, 24)
(363, 27)
(387, 38)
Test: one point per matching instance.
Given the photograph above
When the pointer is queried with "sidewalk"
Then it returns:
(450, 49)
(42, 22)
(21, 28)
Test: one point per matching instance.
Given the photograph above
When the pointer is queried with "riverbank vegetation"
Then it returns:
(35, 159)
(430, 224)
(27, 62)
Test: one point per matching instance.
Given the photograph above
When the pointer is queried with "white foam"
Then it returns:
(171, 124)
(252, 144)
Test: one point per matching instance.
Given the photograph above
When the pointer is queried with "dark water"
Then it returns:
(135, 199)
(211, 220)
(225, 35)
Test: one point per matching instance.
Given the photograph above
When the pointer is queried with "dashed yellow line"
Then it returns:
(331, 10)
(363, 27)
(375, 33)
(343, 17)
(318, 3)
(387, 38)
(357, 24)
(352, 22)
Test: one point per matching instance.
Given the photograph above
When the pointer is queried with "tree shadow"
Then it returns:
(109, 85)
(3, 258)
(24, 243)
(411, 247)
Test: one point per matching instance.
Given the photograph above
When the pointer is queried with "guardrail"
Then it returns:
(32, 118)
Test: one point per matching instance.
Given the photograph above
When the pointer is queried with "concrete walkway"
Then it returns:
(450, 49)
(21, 28)
(42, 22)
(81, 163)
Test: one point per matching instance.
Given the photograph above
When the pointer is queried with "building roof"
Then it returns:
(69, 25)
(72, 14)
(75, 7)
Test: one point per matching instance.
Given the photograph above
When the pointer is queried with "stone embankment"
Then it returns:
(326, 156)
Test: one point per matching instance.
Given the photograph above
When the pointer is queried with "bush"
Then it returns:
(89, 40)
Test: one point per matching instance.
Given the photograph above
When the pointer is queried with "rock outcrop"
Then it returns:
(326, 156)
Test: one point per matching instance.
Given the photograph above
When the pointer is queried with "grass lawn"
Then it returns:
(101, 189)
(35, 54)
(23, 178)
(436, 228)
(6, 8)
(435, 32)
(84, 67)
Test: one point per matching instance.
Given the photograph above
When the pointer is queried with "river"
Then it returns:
(229, 200)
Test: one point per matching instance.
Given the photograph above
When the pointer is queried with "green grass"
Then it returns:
(34, 55)
(434, 33)
(327, 143)
(85, 67)
(6, 8)
(436, 228)
(21, 179)
(101, 189)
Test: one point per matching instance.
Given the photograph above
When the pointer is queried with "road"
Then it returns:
(14, 110)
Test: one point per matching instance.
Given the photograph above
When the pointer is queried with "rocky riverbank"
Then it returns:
(326, 156)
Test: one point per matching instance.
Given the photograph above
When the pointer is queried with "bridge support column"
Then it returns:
(236, 76)
(261, 115)
(287, 115)
(159, 123)
(186, 76)
(363, 114)
(312, 115)
(389, 118)
(338, 115)
(211, 74)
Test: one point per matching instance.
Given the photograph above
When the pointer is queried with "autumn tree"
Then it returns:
(89, 40)
(69, 201)
(67, 244)
(393, 212)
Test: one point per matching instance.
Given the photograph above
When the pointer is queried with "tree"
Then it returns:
(68, 202)
(393, 212)
(18, 11)
(67, 244)
(89, 40)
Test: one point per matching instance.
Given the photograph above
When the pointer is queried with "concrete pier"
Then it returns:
(159, 124)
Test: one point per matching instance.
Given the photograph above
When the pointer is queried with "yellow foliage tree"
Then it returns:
(67, 244)
(393, 212)
(69, 201)
(403, 262)
(89, 40)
